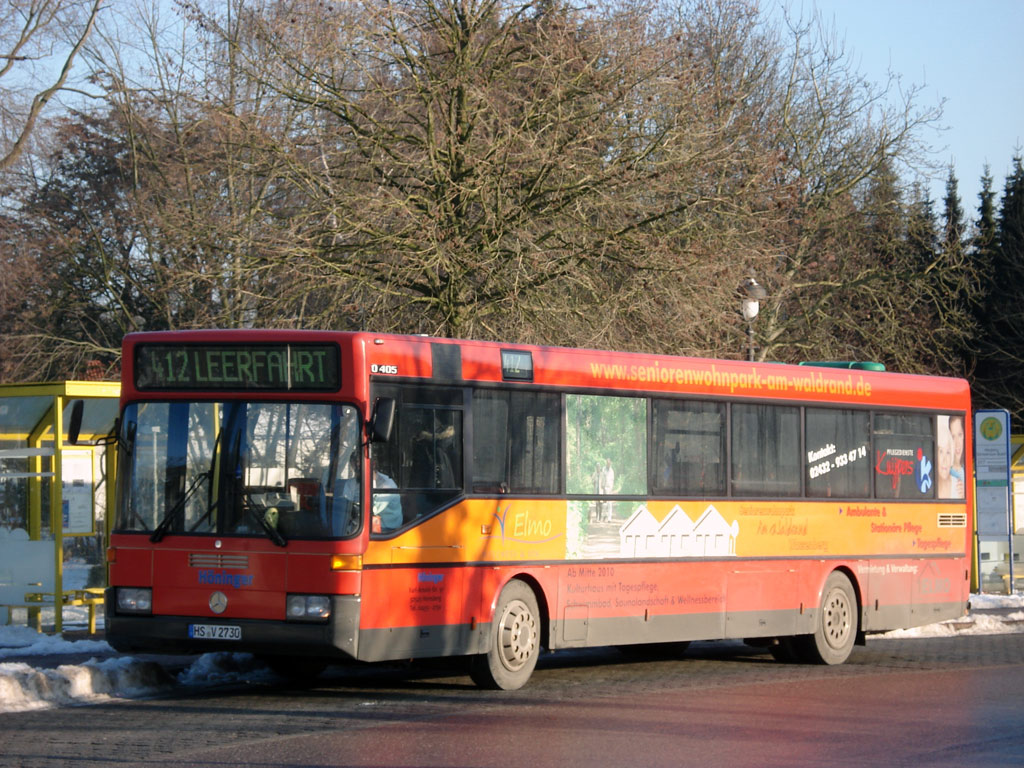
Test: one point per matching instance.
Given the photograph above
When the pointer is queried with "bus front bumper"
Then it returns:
(337, 638)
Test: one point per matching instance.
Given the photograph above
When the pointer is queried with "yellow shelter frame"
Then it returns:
(33, 426)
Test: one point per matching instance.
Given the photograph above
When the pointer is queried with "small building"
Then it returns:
(677, 535)
(713, 536)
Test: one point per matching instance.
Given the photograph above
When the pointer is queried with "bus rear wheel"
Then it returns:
(514, 645)
(836, 629)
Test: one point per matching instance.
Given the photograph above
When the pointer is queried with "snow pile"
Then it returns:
(975, 623)
(224, 667)
(990, 602)
(24, 687)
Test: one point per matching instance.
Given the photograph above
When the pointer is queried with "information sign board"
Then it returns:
(992, 471)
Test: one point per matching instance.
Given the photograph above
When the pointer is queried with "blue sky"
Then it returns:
(971, 53)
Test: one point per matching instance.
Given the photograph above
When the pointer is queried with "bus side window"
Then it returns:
(424, 457)
(765, 450)
(688, 448)
(606, 452)
(516, 437)
(433, 445)
(901, 442)
(490, 442)
(837, 462)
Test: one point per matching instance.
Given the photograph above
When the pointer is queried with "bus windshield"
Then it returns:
(275, 469)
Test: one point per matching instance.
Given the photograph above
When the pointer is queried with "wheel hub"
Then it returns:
(518, 635)
(837, 619)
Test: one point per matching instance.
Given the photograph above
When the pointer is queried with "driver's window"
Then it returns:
(420, 470)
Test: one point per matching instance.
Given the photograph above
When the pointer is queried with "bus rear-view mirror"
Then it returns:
(75, 424)
(382, 422)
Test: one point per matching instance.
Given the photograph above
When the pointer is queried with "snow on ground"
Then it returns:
(107, 676)
(104, 675)
(24, 687)
(977, 622)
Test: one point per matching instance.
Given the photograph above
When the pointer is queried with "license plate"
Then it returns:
(214, 632)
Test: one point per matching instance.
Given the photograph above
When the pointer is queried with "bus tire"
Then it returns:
(836, 628)
(514, 644)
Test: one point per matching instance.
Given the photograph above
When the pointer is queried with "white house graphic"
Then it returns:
(677, 535)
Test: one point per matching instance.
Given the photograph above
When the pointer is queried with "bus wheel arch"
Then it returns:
(517, 632)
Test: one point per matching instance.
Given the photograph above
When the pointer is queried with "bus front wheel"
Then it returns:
(514, 644)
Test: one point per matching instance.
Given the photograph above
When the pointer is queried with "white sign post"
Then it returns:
(992, 476)
(77, 491)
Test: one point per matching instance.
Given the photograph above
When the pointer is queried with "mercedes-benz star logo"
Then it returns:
(218, 602)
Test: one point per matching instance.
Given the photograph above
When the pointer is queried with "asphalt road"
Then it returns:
(924, 702)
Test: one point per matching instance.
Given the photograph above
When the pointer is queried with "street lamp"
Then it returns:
(751, 294)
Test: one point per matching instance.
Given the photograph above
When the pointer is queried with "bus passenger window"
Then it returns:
(765, 450)
(904, 456)
(688, 450)
(837, 453)
(606, 451)
(516, 439)
(432, 434)
(490, 442)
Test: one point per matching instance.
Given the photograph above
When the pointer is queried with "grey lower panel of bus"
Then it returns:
(890, 617)
(578, 631)
(384, 644)
(341, 638)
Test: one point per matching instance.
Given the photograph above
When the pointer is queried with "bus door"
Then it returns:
(416, 526)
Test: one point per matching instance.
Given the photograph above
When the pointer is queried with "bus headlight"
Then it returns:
(308, 608)
(134, 600)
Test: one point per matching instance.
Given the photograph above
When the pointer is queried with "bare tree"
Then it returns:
(528, 171)
(39, 42)
(839, 135)
(206, 188)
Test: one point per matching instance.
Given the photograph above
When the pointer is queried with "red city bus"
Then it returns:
(314, 497)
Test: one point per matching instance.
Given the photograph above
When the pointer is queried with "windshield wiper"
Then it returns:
(179, 506)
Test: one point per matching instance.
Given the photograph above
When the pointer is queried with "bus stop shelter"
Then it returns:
(1004, 558)
(51, 491)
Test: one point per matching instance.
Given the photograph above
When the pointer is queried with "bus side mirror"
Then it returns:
(75, 425)
(383, 420)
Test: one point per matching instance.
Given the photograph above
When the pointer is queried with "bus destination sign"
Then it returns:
(279, 367)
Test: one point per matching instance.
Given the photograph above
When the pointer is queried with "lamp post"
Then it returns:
(751, 295)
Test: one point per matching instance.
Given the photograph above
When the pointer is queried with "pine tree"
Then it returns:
(922, 239)
(985, 237)
(1001, 363)
(955, 286)
(1011, 218)
(953, 218)
(983, 249)
(923, 278)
